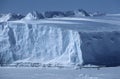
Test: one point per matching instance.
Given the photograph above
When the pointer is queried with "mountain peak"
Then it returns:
(10, 16)
(34, 16)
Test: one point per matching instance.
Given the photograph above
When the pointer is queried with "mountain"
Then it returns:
(34, 16)
(51, 14)
(69, 14)
(76, 13)
(81, 12)
(10, 16)
(98, 14)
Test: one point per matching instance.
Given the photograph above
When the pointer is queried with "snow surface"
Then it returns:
(55, 73)
(91, 20)
(64, 41)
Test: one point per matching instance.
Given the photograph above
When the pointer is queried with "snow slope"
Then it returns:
(65, 41)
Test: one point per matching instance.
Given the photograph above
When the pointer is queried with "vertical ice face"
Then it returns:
(101, 48)
(41, 43)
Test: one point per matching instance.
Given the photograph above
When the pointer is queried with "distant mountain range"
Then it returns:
(48, 14)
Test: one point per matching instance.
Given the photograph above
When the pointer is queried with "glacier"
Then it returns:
(64, 41)
(39, 43)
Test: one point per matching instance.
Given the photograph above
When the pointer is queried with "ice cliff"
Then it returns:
(101, 48)
(39, 43)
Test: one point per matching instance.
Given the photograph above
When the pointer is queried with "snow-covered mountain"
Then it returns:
(10, 16)
(48, 14)
(81, 12)
(60, 40)
(97, 14)
(33, 16)
(76, 13)
(52, 14)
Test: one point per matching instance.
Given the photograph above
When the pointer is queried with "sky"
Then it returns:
(25, 6)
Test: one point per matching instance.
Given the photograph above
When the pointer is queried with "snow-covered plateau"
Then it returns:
(64, 41)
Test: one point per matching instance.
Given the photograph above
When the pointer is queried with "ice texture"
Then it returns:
(39, 43)
(101, 48)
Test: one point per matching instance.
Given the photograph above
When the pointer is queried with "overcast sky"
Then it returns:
(25, 6)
